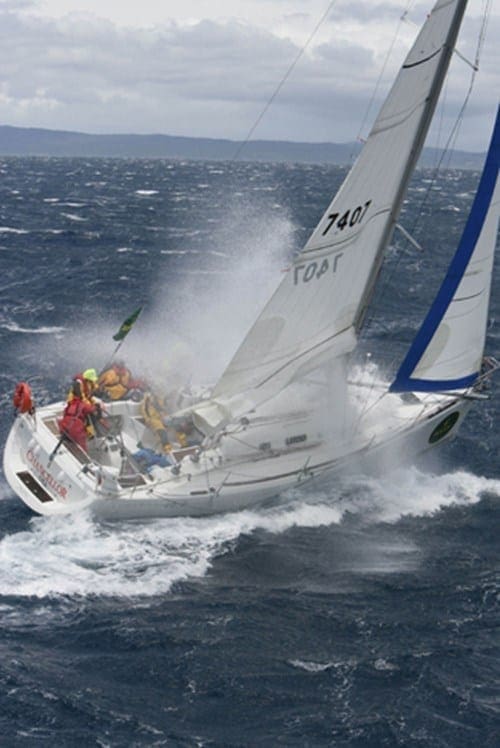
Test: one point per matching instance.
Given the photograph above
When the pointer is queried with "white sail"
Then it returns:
(319, 306)
(448, 349)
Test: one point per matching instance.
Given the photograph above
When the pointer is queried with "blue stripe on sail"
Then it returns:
(470, 236)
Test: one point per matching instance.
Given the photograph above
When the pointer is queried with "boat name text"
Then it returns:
(350, 218)
(46, 477)
(305, 273)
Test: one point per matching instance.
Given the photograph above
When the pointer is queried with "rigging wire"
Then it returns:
(402, 19)
(450, 144)
(282, 82)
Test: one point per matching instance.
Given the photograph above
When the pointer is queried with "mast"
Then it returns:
(425, 121)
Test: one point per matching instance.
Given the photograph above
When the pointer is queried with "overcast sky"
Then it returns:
(208, 67)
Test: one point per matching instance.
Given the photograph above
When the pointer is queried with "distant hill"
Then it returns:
(28, 141)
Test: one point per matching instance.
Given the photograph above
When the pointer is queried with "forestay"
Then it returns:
(318, 308)
(447, 351)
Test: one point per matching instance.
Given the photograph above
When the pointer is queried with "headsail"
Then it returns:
(447, 351)
(316, 311)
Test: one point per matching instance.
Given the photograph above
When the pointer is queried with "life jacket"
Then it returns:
(22, 399)
(78, 409)
(74, 421)
(81, 388)
(115, 382)
(155, 415)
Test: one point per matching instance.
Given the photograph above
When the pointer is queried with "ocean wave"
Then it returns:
(311, 667)
(14, 327)
(412, 492)
(77, 556)
(11, 230)
(73, 217)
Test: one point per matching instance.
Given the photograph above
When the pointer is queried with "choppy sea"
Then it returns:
(366, 613)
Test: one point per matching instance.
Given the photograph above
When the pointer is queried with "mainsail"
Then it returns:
(447, 351)
(318, 308)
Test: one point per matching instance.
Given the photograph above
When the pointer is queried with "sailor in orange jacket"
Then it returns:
(116, 383)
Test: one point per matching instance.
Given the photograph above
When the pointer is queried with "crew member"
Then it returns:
(116, 383)
(154, 413)
(75, 421)
(83, 388)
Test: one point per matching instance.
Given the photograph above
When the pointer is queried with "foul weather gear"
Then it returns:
(117, 383)
(75, 421)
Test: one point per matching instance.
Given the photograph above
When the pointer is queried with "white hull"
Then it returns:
(220, 480)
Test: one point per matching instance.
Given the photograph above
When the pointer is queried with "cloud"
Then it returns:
(211, 77)
(16, 5)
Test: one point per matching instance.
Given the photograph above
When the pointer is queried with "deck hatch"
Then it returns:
(34, 486)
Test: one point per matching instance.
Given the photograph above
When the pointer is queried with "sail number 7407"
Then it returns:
(305, 273)
(350, 218)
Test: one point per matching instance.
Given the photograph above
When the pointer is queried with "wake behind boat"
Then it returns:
(289, 407)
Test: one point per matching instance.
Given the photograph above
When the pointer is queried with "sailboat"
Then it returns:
(287, 409)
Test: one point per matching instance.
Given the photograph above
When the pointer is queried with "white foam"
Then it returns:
(13, 327)
(10, 230)
(68, 556)
(311, 667)
(411, 492)
(77, 556)
(73, 217)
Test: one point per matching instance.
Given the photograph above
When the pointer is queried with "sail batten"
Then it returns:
(447, 351)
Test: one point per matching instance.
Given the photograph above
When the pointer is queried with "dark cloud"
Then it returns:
(208, 79)
(17, 5)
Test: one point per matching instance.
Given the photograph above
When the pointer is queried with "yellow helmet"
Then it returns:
(91, 375)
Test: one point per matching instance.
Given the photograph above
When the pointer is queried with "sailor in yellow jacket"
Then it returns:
(155, 415)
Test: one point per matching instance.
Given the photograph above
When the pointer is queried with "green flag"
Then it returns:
(127, 325)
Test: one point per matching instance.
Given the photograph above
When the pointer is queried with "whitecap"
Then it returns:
(13, 327)
(311, 667)
(147, 193)
(382, 664)
(73, 217)
(10, 230)
(77, 556)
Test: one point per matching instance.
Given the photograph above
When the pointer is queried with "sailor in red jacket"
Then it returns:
(74, 421)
